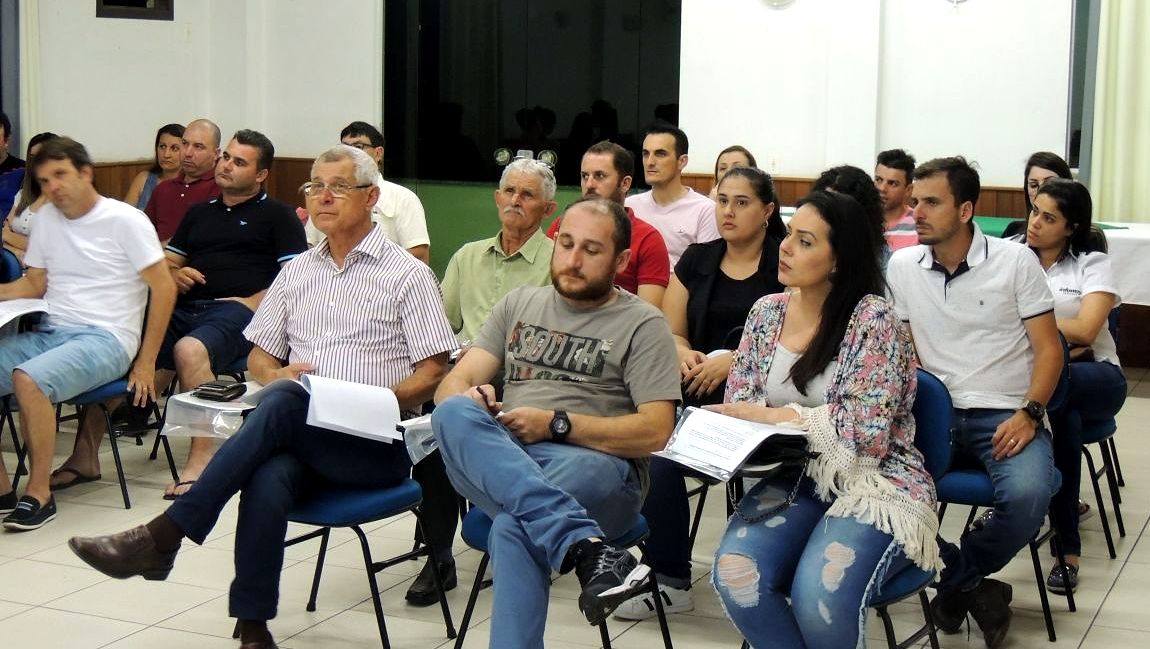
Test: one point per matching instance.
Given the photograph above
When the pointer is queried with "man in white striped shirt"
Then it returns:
(357, 307)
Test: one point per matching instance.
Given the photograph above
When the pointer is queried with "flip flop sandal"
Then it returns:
(78, 479)
(173, 496)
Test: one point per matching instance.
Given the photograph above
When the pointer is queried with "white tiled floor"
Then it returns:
(48, 598)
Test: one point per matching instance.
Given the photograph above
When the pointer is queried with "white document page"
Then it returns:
(353, 408)
(716, 444)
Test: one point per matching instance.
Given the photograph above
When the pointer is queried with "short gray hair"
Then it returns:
(539, 169)
(366, 171)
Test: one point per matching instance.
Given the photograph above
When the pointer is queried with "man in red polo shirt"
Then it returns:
(196, 184)
(607, 170)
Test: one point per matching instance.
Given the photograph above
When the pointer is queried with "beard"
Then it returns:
(591, 291)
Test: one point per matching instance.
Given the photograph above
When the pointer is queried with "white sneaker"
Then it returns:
(641, 606)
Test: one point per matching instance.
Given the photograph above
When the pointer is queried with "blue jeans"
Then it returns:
(1097, 392)
(830, 567)
(1023, 485)
(542, 498)
(63, 361)
(276, 460)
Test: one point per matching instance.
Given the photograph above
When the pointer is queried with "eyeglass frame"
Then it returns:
(304, 188)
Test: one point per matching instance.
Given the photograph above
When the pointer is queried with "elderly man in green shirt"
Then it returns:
(482, 272)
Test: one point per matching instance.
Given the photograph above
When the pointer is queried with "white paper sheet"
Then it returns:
(716, 444)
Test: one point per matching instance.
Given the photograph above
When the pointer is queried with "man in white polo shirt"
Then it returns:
(983, 321)
(398, 211)
(682, 215)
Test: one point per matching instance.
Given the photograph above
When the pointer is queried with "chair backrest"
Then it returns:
(10, 269)
(1013, 228)
(932, 416)
(1096, 241)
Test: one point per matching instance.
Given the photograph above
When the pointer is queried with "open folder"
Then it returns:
(357, 409)
(716, 444)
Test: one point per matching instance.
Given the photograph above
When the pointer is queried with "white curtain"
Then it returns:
(1120, 162)
(30, 112)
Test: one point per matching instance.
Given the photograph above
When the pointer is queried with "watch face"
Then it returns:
(560, 426)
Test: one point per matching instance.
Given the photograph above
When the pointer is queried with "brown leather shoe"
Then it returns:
(124, 555)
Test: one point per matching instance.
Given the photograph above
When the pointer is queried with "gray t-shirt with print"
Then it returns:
(602, 361)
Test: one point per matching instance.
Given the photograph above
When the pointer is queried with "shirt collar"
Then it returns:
(529, 250)
(975, 255)
(385, 205)
(254, 200)
(373, 245)
(210, 177)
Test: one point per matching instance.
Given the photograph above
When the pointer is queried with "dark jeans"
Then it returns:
(1097, 392)
(668, 515)
(276, 459)
(440, 508)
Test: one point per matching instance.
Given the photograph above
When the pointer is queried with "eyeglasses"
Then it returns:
(338, 190)
(362, 146)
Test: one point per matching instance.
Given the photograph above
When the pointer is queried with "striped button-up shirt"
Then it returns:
(368, 322)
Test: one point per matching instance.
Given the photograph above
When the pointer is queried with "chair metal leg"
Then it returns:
(888, 627)
(1061, 563)
(112, 439)
(931, 630)
(471, 599)
(604, 637)
(1117, 465)
(163, 439)
(323, 539)
(369, 567)
(437, 575)
(1094, 475)
(1042, 592)
(1112, 483)
(701, 491)
(660, 614)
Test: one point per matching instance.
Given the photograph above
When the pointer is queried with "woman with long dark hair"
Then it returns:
(831, 357)
(1082, 282)
(709, 295)
(165, 165)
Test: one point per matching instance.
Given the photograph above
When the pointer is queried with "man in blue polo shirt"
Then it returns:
(982, 318)
(224, 255)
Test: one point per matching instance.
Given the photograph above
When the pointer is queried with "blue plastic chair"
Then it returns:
(10, 268)
(475, 533)
(972, 486)
(1101, 432)
(350, 507)
(932, 415)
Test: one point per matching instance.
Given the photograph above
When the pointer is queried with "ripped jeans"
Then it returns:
(830, 568)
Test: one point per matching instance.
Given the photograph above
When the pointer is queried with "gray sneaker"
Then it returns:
(609, 575)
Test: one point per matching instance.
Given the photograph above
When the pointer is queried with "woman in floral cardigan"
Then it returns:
(830, 357)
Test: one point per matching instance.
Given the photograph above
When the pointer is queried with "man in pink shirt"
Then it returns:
(892, 177)
(682, 215)
(607, 170)
(196, 184)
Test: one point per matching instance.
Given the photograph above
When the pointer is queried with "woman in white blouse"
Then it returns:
(1058, 230)
(28, 200)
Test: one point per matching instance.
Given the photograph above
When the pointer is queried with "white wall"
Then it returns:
(824, 82)
(111, 83)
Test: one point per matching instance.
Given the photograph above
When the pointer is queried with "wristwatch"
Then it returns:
(560, 427)
(1034, 410)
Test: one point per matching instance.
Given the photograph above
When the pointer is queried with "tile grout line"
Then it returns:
(1109, 591)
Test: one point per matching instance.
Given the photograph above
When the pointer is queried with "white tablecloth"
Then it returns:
(1130, 258)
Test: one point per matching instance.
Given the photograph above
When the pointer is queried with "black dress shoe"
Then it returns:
(949, 609)
(124, 555)
(990, 608)
(422, 591)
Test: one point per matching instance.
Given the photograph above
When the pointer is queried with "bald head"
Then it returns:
(201, 144)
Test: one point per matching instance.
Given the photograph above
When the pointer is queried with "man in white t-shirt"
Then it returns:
(398, 211)
(94, 261)
(682, 215)
(983, 322)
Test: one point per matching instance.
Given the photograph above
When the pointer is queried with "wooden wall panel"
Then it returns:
(113, 178)
(993, 201)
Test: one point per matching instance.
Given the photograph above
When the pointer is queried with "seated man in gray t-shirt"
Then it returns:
(591, 383)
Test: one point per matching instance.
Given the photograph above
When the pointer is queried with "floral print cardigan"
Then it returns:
(868, 467)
